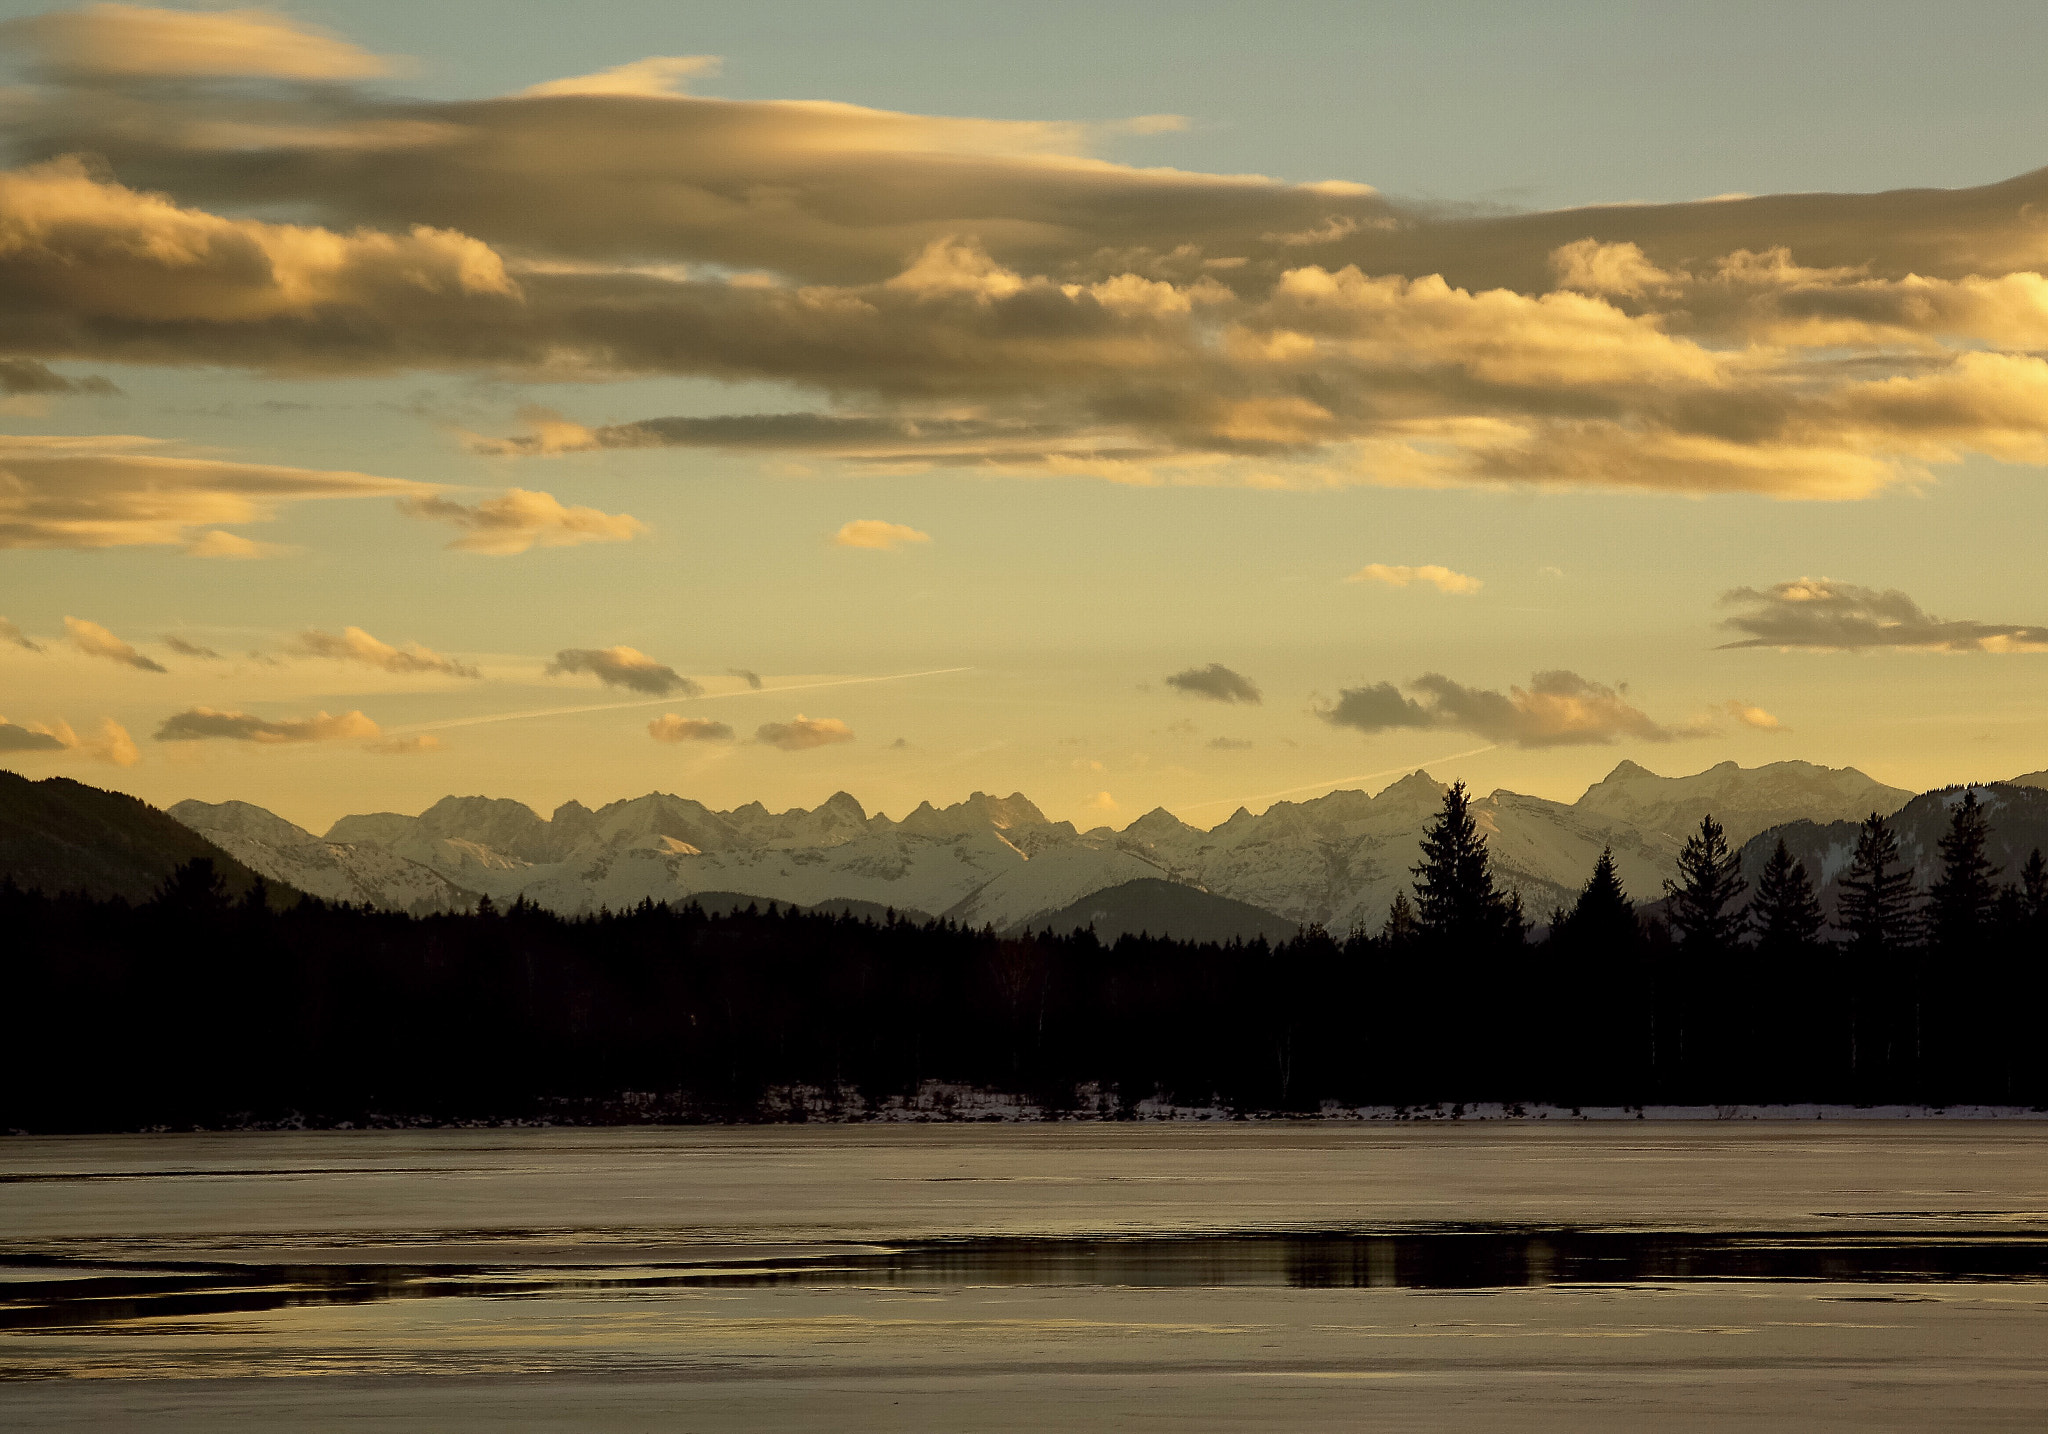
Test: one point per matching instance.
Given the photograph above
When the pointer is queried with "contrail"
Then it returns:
(1336, 781)
(663, 701)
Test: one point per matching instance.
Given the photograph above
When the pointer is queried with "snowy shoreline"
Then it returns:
(941, 1104)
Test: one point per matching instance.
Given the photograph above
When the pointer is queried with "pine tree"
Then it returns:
(1786, 915)
(1709, 882)
(1455, 897)
(1877, 900)
(1964, 896)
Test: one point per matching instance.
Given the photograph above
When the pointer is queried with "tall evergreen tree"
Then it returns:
(1702, 908)
(1963, 898)
(1786, 914)
(1877, 893)
(1455, 898)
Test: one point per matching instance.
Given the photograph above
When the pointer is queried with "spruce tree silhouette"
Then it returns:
(1603, 915)
(1455, 898)
(1468, 929)
(1963, 897)
(1791, 1047)
(1598, 987)
(1877, 900)
(1786, 914)
(1705, 1027)
(1877, 912)
(1709, 881)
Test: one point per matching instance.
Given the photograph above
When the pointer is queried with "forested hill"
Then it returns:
(58, 835)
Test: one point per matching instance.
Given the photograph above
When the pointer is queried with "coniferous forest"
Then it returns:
(198, 1007)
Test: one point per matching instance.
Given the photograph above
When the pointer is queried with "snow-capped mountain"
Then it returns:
(335, 871)
(1337, 860)
(1744, 800)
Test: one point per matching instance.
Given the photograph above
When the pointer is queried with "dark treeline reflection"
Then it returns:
(198, 1008)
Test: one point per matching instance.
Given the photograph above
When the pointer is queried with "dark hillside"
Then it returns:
(1150, 907)
(57, 835)
(2016, 816)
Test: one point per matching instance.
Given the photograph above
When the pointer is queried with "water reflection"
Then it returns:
(50, 1292)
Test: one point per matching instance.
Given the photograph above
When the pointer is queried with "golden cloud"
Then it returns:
(95, 641)
(110, 743)
(623, 667)
(803, 733)
(521, 519)
(874, 533)
(671, 727)
(139, 40)
(353, 644)
(1750, 716)
(1820, 613)
(1556, 709)
(1400, 576)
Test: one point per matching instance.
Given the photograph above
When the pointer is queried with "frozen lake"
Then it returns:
(1447, 1276)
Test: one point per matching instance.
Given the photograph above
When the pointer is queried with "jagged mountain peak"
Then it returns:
(979, 812)
(1157, 823)
(1417, 786)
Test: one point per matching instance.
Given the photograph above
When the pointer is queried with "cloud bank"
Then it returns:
(623, 667)
(12, 636)
(1556, 709)
(987, 293)
(1216, 683)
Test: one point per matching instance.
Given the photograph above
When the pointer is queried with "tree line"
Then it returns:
(199, 1008)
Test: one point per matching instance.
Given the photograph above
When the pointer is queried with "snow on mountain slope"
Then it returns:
(335, 871)
(1338, 860)
(1744, 800)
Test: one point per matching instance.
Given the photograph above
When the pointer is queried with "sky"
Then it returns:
(1192, 405)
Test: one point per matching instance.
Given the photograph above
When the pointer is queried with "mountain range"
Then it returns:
(1337, 860)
